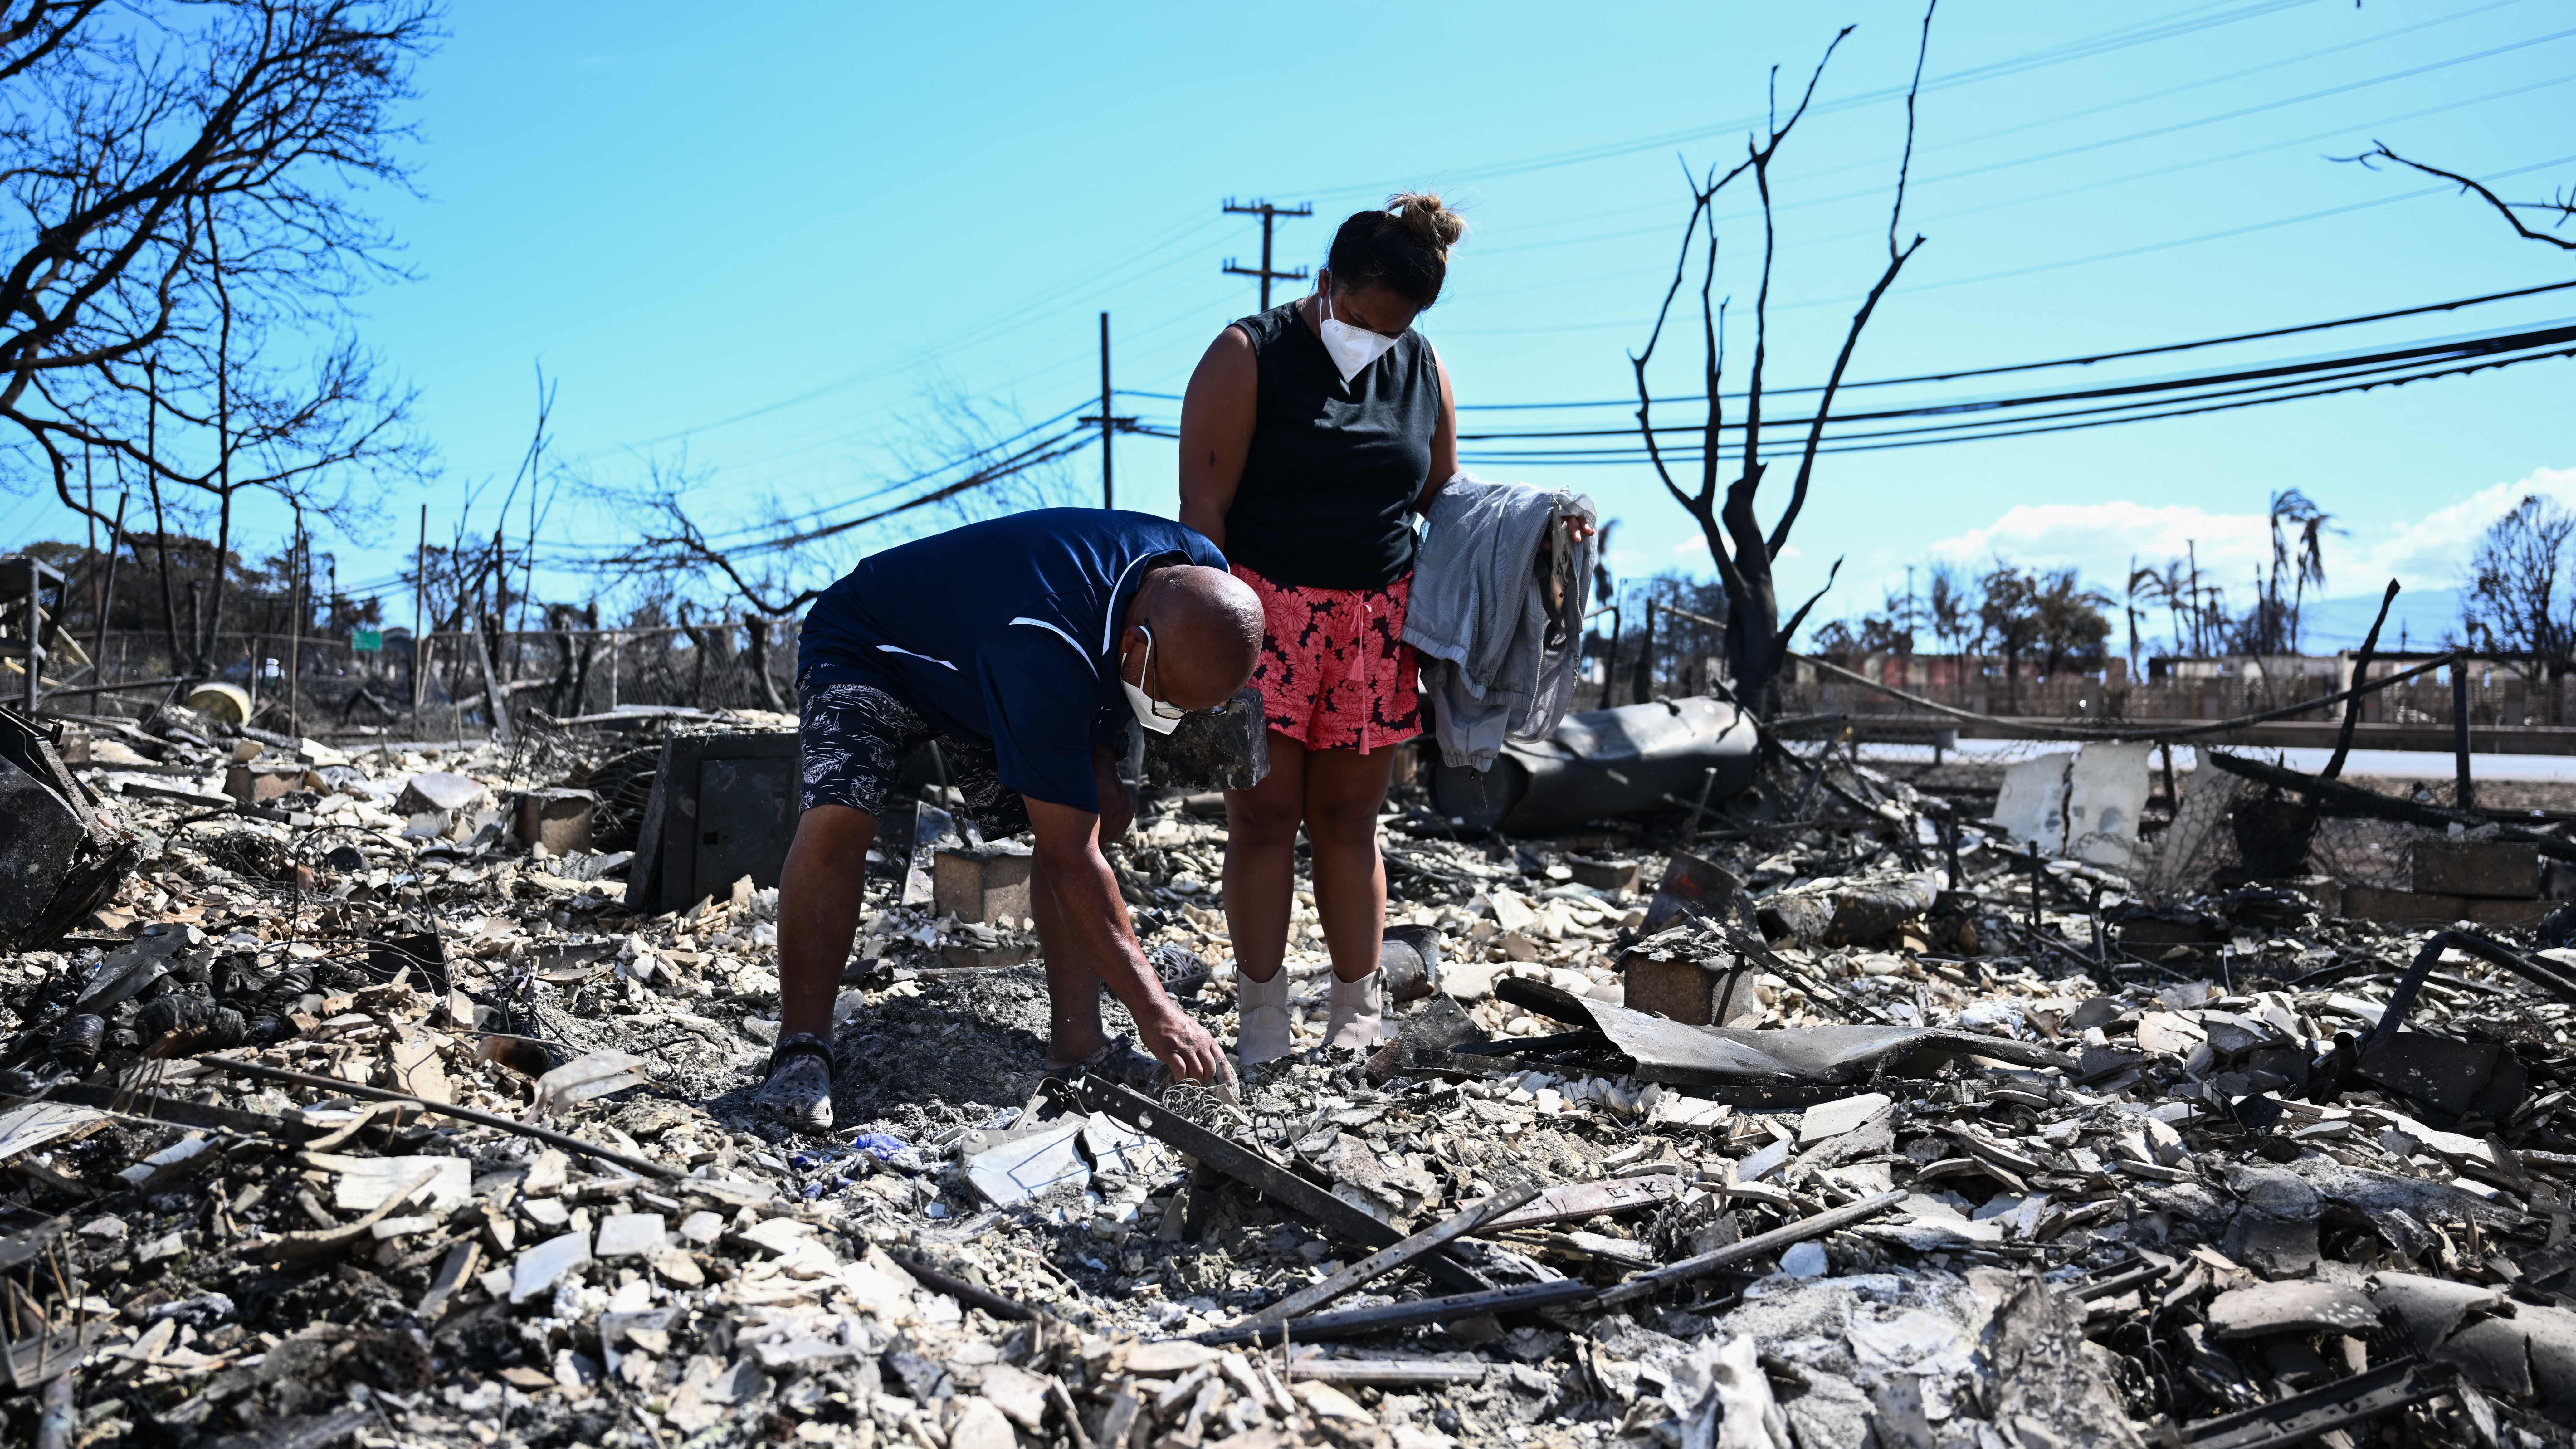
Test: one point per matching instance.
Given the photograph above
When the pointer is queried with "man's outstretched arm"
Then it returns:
(1088, 927)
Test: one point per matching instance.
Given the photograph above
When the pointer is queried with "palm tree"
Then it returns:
(2305, 560)
(2143, 583)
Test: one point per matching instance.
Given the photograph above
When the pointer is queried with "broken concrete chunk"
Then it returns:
(440, 790)
(1169, 1358)
(629, 1235)
(979, 1424)
(2164, 1031)
(596, 1074)
(539, 1267)
(1833, 1119)
(1019, 1394)
(557, 820)
(702, 1227)
(1511, 913)
(2444, 865)
(987, 883)
(364, 1184)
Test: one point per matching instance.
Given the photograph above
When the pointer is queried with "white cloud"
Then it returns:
(2432, 550)
(2099, 539)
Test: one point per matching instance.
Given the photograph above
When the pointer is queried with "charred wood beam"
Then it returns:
(1388, 1259)
(644, 1166)
(2305, 1418)
(2333, 797)
(1760, 1245)
(1385, 1318)
(1274, 1180)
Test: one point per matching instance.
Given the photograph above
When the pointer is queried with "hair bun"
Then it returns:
(1431, 223)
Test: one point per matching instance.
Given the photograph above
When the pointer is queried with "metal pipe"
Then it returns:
(35, 643)
(61, 1414)
(643, 1165)
(2460, 733)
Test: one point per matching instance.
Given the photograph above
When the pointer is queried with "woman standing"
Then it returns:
(1309, 435)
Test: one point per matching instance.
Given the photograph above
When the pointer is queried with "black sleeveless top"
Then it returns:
(1333, 464)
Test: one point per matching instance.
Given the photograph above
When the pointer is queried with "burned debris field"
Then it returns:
(367, 1096)
(1612, 822)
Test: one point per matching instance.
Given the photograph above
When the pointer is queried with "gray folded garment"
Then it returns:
(1479, 614)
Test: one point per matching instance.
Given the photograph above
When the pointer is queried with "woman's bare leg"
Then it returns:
(1261, 860)
(1345, 790)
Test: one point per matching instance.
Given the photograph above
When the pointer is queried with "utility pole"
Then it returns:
(296, 612)
(1110, 424)
(419, 599)
(1269, 215)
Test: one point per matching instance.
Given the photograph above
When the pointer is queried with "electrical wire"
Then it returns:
(2033, 198)
(2078, 360)
(2085, 49)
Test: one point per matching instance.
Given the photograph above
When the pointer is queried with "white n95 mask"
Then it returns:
(1352, 348)
(1152, 713)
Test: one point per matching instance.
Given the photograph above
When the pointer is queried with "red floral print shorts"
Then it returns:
(1335, 672)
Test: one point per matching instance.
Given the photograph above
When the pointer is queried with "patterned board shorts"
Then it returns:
(1335, 672)
(856, 738)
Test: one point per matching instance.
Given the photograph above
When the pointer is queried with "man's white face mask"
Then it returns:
(1352, 348)
(1152, 713)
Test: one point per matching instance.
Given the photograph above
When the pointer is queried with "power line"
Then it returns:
(2133, 401)
(2184, 22)
(2085, 49)
(2031, 197)
(2079, 360)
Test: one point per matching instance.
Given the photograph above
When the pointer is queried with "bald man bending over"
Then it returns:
(1025, 645)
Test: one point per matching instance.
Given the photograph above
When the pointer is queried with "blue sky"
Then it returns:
(758, 241)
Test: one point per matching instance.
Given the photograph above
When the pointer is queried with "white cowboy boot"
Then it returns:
(1261, 1008)
(1358, 1014)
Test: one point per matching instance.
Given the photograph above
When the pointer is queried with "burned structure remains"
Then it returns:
(1736, 1091)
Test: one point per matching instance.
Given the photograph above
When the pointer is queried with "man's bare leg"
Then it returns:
(819, 896)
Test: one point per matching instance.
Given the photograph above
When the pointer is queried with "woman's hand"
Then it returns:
(1578, 528)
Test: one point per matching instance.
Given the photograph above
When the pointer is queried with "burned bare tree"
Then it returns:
(769, 565)
(1756, 636)
(2562, 205)
(183, 178)
(2520, 600)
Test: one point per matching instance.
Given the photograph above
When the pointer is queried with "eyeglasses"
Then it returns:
(1163, 709)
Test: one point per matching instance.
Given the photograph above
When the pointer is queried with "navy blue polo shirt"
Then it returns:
(1007, 630)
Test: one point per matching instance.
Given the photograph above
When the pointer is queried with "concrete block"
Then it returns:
(2491, 912)
(559, 820)
(259, 784)
(440, 790)
(2458, 866)
(986, 884)
(2369, 903)
(1689, 987)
